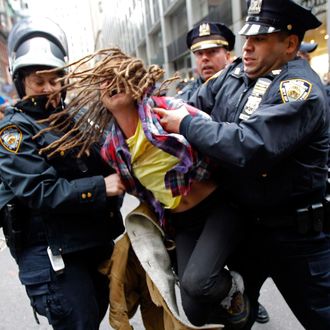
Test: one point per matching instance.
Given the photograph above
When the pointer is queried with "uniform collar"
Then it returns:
(36, 107)
(238, 72)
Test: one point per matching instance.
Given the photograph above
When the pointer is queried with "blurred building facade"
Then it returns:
(80, 19)
(8, 17)
(155, 30)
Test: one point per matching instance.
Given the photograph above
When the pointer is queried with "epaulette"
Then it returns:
(216, 75)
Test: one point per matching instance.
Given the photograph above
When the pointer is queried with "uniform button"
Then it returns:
(60, 250)
(111, 214)
(89, 195)
(62, 153)
(83, 196)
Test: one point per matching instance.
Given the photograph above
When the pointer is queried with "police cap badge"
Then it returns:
(210, 35)
(269, 16)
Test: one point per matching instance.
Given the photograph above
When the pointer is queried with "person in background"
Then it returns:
(270, 135)
(59, 214)
(305, 49)
(180, 86)
(3, 105)
(211, 44)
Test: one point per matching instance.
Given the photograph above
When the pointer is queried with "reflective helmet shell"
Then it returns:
(35, 41)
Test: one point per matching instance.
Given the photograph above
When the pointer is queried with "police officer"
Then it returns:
(211, 44)
(271, 138)
(61, 214)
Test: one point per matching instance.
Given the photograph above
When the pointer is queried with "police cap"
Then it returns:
(269, 16)
(210, 35)
(307, 47)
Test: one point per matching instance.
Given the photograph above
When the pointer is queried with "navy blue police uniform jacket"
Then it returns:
(270, 135)
(63, 198)
(188, 91)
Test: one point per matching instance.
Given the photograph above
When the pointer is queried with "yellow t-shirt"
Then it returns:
(150, 164)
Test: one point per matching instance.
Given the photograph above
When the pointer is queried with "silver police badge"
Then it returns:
(295, 90)
(10, 138)
(255, 98)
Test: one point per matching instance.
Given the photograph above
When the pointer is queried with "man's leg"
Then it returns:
(249, 260)
(262, 314)
(301, 271)
(202, 254)
(76, 299)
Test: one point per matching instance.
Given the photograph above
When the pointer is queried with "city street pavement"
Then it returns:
(16, 313)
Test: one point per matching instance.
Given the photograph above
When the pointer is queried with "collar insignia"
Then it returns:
(237, 71)
(204, 30)
(295, 90)
(10, 138)
(276, 72)
(255, 7)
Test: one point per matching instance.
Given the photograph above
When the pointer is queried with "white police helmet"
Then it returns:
(35, 41)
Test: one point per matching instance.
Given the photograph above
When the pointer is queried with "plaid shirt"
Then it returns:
(190, 167)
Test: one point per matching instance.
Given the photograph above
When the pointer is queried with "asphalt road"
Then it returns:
(16, 314)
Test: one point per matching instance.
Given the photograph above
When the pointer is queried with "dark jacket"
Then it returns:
(327, 90)
(61, 200)
(275, 154)
(188, 91)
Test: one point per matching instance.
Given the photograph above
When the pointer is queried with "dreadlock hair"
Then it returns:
(118, 73)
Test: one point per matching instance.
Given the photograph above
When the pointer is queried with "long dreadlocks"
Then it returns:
(116, 72)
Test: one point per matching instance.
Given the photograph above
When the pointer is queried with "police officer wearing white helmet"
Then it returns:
(270, 135)
(59, 214)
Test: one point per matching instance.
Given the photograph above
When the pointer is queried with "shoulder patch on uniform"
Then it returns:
(11, 138)
(295, 90)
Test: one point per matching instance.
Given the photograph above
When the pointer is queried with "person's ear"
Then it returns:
(228, 56)
(292, 44)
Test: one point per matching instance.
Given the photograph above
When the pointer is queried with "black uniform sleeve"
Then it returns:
(37, 184)
(185, 94)
(274, 131)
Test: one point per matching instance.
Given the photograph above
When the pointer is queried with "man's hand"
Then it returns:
(113, 185)
(171, 119)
